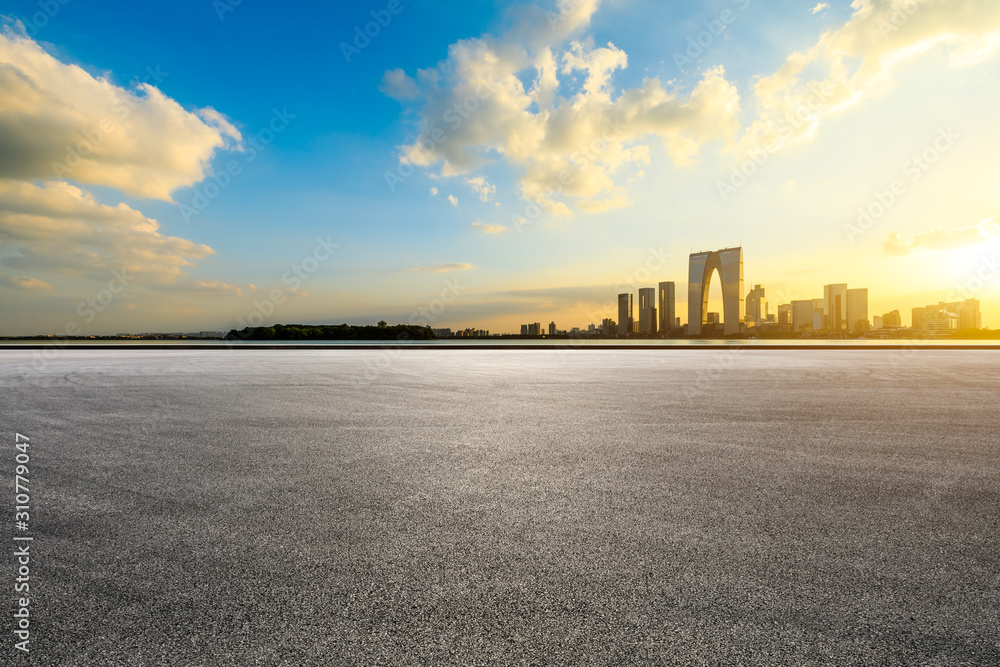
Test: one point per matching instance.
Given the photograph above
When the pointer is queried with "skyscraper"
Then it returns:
(857, 310)
(668, 307)
(756, 306)
(647, 310)
(835, 307)
(802, 314)
(624, 314)
(552, 328)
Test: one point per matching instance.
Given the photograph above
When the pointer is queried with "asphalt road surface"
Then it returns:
(676, 507)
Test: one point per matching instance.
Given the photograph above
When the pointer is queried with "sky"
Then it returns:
(486, 164)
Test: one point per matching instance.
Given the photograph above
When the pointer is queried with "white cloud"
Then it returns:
(441, 268)
(454, 200)
(25, 283)
(488, 229)
(59, 228)
(58, 121)
(481, 187)
(820, 7)
(434, 192)
(942, 238)
(397, 85)
(859, 58)
(569, 131)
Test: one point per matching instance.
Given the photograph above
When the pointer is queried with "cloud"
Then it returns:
(858, 60)
(398, 86)
(942, 238)
(481, 187)
(59, 121)
(59, 228)
(434, 192)
(25, 283)
(488, 229)
(454, 200)
(547, 106)
(820, 7)
(441, 268)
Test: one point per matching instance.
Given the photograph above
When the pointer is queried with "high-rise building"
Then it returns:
(785, 313)
(967, 313)
(668, 306)
(524, 329)
(892, 320)
(835, 307)
(552, 328)
(876, 321)
(535, 329)
(802, 314)
(713, 318)
(625, 314)
(756, 306)
(608, 326)
(647, 310)
(857, 310)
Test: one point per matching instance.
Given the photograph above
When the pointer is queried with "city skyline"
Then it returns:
(514, 162)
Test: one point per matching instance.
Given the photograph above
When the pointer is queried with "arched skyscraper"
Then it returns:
(728, 262)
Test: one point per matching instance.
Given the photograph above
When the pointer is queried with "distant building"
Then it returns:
(802, 314)
(968, 314)
(211, 334)
(939, 320)
(535, 329)
(876, 321)
(756, 306)
(835, 307)
(892, 320)
(647, 310)
(625, 319)
(857, 310)
(442, 333)
(608, 326)
(785, 313)
(524, 329)
(668, 306)
(552, 328)
(713, 318)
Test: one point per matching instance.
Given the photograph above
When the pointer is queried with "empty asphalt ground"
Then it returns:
(680, 507)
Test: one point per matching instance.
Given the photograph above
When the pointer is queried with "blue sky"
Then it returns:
(900, 76)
